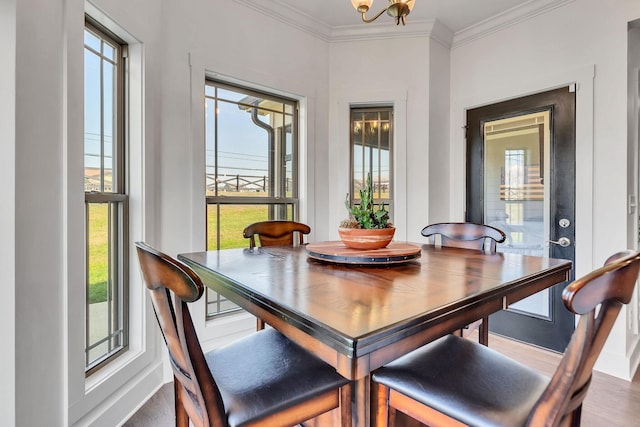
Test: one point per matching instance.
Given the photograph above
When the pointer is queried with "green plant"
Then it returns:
(364, 215)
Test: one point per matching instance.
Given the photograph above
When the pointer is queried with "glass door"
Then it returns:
(521, 179)
(517, 192)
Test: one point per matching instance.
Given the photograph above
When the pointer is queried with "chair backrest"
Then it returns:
(276, 233)
(467, 235)
(164, 276)
(597, 298)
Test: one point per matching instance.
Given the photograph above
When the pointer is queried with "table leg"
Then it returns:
(362, 402)
(483, 331)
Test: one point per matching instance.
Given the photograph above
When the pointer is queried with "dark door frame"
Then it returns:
(554, 333)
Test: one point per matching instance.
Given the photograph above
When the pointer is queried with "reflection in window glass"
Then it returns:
(514, 191)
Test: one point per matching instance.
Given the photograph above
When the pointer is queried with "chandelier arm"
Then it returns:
(364, 18)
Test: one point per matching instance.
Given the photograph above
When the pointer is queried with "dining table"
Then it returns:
(358, 313)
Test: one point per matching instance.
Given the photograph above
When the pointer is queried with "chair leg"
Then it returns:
(576, 417)
(182, 418)
(259, 324)
(379, 405)
(391, 418)
(483, 332)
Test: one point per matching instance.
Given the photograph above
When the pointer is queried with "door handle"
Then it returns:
(563, 241)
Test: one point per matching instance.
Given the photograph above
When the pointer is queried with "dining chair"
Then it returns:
(275, 233)
(454, 381)
(467, 235)
(262, 379)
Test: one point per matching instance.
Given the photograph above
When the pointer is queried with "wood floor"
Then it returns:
(157, 412)
(609, 402)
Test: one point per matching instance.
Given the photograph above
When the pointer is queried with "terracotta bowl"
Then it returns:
(359, 238)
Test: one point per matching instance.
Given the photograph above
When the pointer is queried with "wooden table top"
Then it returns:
(358, 317)
(359, 309)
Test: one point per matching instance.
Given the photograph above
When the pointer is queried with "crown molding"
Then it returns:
(280, 12)
(506, 19)
(277, 10)
(413, 29)
(433, 29)
(442, 34)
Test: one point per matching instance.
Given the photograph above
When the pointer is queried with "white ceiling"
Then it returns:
(454, 14)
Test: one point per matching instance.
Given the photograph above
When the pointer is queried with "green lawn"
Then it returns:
(98, 252)
(234, 220)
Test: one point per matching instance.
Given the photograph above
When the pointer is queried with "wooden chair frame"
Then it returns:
(275, 233)
(467, 235)
(597, 298)
(198, 399)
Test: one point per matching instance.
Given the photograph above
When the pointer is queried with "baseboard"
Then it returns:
(617, 365)
(635, 358)
(141, 403)
(119, 407)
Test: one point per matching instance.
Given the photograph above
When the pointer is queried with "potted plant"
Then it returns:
(366, 227)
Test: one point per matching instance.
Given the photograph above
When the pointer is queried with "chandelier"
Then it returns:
(398, 9)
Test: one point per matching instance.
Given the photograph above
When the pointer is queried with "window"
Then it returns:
(513, 175)
(371, 143)
(106, 200)
(251, 166)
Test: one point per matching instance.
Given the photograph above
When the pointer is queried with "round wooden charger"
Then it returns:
(337, 252)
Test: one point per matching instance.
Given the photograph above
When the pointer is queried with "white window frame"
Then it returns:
(360, 111)
(112, 195)
(280, 205)
(129, 379)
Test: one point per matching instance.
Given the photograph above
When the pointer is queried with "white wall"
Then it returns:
(234, 43)
(633, 142)
(49, 213)
(439, 136)
(39, 225)
(382, 72)
(7, 211)
(584, 41)
(229, 41)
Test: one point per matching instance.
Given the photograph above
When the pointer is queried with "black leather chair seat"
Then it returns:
(258, 376)
(502, 392)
